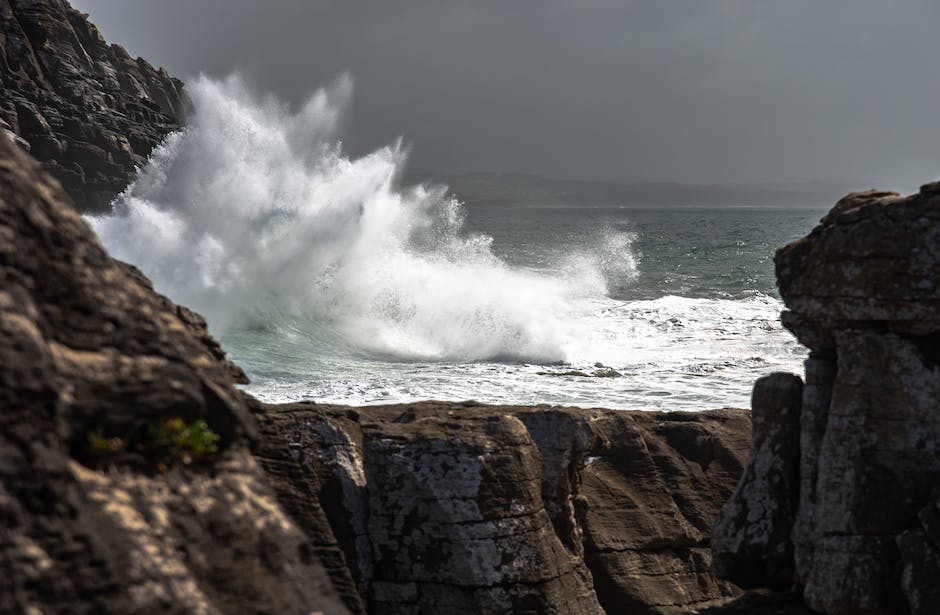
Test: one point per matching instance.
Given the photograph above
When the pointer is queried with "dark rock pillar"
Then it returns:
(817, 394)
(751, 540)
(920, 552)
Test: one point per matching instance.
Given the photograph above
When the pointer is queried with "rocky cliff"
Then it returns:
(126, 479)
(134, 477)
(86, 109)
(462, 508)
(840, 495)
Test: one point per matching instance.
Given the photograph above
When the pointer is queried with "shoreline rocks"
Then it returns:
(89, 348)
(863, 294)
(464, 508)
(429, 507)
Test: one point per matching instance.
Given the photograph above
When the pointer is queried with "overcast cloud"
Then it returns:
(668, 90)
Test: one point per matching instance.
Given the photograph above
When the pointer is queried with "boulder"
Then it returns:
(751, 540)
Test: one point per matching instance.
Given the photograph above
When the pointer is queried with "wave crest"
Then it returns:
(254, 216)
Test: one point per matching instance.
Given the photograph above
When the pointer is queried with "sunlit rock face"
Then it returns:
(863, 293)
(87, 347)
(88, 111)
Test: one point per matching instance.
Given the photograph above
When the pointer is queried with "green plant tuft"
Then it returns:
(175, 440)
(158, 445)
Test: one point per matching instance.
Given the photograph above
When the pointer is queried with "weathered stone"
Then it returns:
(316, 471)
(854, 574)
(920, 552)
(87, 346)
(874, 258)
(763, 602)
(76, 101)
(751, 539)
(817, 396)
(877, 466)
(467, 508)
(652, 489)
(862, 293)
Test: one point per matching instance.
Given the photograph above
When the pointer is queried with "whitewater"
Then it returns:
(328, 280)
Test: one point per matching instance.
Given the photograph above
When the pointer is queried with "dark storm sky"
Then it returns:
(692, 91)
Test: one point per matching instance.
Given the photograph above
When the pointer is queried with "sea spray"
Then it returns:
(254, 216)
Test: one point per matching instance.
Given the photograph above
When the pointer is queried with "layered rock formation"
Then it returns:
(863, 294)
(461, 508)
(86, 109)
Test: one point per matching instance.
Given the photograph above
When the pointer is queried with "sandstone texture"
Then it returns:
(88, 111)
(863, 294)
(87, 347)
(463, 508)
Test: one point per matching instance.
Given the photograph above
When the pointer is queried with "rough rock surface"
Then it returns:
(85, 346)
(920, 552)
(751, 539)
(84, 108)
(462, 508)
(863, 293)
(763, 602)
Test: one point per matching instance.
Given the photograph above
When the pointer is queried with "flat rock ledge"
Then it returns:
(839, 498)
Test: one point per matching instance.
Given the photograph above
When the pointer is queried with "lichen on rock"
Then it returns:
(863, 294)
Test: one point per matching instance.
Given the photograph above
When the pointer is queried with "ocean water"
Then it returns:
(328, 281)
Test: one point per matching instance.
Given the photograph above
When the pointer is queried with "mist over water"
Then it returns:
(328, 280)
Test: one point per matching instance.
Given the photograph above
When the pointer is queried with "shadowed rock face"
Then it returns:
(462, 508)
(751, 540)
(86, 345)
(863, 293)
(84, 108)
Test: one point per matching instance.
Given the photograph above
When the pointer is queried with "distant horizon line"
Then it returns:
(853, 185)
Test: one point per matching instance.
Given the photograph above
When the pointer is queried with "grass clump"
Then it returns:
(157, 445)
(174, 440)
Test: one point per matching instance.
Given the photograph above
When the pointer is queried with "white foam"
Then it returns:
(253, 215)
(671, 353)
